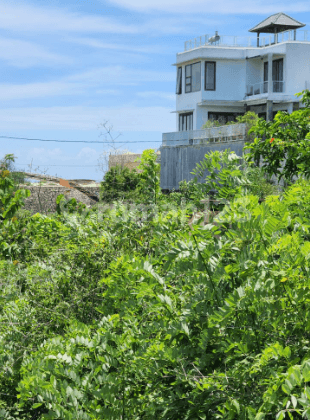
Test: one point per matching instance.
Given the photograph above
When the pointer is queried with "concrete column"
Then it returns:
(270, 87)
(269, 110)
(290, 107)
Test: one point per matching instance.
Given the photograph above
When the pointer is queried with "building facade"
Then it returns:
(221, 77)
(224, 76)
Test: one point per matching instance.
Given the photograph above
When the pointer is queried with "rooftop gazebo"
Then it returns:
(274, 24)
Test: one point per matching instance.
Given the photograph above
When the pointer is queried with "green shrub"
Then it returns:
(283, 145)
(119, 183)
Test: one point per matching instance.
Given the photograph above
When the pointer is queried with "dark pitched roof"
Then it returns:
(277, 23)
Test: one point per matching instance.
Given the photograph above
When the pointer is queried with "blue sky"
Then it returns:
(67, 66)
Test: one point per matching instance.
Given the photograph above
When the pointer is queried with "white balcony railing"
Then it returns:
(223, 134)
(246, 41)
(262, 87)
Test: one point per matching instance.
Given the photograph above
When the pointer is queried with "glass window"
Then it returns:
(188, 79)
(223, 117)
(179, 81)
(196, 77)
(210, 75)
(193, 77)
(277, 75)
(186, 121)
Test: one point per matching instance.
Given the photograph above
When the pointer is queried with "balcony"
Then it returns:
(262, 87)
(246, 41)
(223, 134)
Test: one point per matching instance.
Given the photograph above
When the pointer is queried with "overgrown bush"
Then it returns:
(119, 183)
(283, 145)
(141, 185)
(128, 313)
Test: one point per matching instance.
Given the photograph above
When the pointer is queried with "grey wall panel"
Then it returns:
(177, 163)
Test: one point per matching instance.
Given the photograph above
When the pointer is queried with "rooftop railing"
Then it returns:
(246, 41)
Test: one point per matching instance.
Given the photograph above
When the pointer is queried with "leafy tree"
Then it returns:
(149, 185)
(283, 145)
(121, 315)
(221, 173)
(7, 163)
(119, 183)
(11, 200)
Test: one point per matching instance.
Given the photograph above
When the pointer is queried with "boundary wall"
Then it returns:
(43, 198)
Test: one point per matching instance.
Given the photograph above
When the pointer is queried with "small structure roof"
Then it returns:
(277, 23)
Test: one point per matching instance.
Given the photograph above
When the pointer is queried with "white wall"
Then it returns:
(255, 71)
(297, 67)
(230, 81)
(230, 85)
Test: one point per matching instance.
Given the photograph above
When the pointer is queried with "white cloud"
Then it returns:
(28, 18)
(126, 118)
(108, 92)
(162, 95)
(43, 155)
(88, 154)
(121, 75)
(24, 54)
(81, 83)
(38, 90)
(97, 43)
(210, 6)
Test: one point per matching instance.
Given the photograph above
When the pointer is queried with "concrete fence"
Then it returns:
(182, 150)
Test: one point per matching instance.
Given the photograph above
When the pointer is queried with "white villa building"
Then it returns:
(220, 77)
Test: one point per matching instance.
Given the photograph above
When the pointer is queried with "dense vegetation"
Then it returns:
(127, 312)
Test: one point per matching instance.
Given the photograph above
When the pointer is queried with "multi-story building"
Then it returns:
(223, 76)
(220, 77)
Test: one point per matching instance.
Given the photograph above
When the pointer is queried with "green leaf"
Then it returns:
(36, 405)
(294, 401)
(236, 405)
(306, 371)
(280, 415)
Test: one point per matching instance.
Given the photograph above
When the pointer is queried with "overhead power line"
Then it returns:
(81, 141)
(47, 164)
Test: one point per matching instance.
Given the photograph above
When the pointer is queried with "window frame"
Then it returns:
(179, 81)
(189, 78)
(214, 84)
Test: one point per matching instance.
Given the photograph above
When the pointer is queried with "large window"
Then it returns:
(186, 121)
(179, 81)
(192, 78)
(210, 75)
(277, 76)
(223, 117)
(265, 87)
